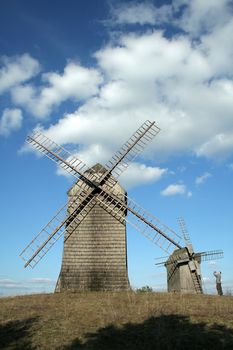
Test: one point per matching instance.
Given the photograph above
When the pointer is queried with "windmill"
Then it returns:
(183, 266)
(96, 191)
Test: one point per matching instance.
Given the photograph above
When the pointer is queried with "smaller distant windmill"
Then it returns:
(183, 265)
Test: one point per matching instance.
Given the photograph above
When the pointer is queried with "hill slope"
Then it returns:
(110, 321)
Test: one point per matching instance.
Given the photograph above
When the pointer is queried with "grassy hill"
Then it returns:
(110, 321)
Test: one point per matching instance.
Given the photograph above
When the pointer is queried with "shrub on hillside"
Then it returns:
(144, 289)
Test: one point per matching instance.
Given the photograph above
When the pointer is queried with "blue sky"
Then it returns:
(89, 74)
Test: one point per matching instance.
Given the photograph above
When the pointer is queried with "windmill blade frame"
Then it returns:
(59, 155)
(145, 220)
(57, 225)
(74, 166)
(184, 230)
(210, 255)
(132, 148)
(203, 256)
(53, 151)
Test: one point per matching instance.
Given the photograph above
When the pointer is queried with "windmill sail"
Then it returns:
(132, 148)
(117, 164)
(89, 186)
(59, 155)
(96, 186)
(142, 220)
(210, 255)
(48, 236)
(184, 230)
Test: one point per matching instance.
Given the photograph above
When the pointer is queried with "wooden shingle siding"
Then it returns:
(95, 256)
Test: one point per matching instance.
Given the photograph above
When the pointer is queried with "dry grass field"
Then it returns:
(110, 321)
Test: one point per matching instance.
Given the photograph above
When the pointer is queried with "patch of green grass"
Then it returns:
(112, 321)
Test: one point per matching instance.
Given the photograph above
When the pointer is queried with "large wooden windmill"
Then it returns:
(94, 256)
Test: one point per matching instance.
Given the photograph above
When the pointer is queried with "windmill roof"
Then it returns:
(97, 169)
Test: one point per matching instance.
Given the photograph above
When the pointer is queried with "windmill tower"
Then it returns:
(183, 265)
(97, 195)
(95, 255)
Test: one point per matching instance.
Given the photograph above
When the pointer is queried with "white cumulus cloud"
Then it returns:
(181, 86)
(220, 144)
(76, 83)
(16, 70)
(175, 189)
(140, 13)
(202, 178)
(182, 83)
(138, 174)
(194, 17)
(203, 16)
(10, 121)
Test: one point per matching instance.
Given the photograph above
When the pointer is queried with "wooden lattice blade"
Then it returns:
(79, 207)
(61, 156)
(119, 162)
(94, 183)
(132, 148)
(202, 256)
(145, 223)
(184, 230)
(139, 218)
(210, 255)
